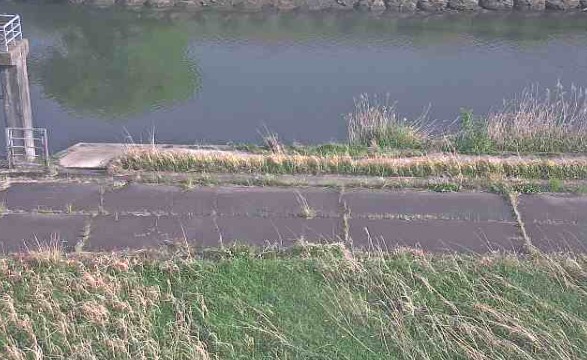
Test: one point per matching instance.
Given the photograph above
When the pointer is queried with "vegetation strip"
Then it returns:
(309, 301)
(423, 166)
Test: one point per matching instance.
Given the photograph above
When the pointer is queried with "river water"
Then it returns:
(110, 75)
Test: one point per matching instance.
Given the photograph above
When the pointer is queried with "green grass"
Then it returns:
(313, 302)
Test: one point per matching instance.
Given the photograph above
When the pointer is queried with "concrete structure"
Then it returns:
(14, 79)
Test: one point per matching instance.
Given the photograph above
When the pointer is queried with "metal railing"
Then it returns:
(27, 147)
(10, 31)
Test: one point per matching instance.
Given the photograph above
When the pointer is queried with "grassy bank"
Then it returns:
(309, 303)
(535, 121)
(533, 136)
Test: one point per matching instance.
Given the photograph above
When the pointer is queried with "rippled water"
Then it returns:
(107, 74)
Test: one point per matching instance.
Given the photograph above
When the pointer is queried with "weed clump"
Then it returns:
(555, 121)
(378, 125)
(473, 137)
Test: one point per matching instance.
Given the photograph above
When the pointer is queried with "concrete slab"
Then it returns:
(437, 235)
(140, 198)
(19, 232)
(277, 202)
(133, 232)
(461, 206)
(111, 233)
(53, 196)
(146, 198)
(198, 201)
(553, 208)
(90, 156)
(558, 237)
(284, 231)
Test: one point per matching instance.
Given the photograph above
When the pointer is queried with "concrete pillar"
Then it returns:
(15, 92)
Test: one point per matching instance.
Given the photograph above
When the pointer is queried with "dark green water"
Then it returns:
(107, 74)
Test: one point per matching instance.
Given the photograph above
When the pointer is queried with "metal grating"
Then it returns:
(10, 31)
(27, 147)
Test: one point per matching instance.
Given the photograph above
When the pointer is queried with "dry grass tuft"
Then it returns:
(377, 125)
(553, 121)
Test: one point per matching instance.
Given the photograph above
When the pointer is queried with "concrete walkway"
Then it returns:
(95, 217)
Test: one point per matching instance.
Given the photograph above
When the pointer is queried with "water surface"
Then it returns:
(112, 74)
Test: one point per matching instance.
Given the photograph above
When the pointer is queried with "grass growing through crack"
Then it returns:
(312, 302)
(306, 211)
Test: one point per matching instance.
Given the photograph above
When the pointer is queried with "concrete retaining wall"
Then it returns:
(369, 5)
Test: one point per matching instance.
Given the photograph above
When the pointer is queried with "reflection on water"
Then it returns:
(115, 65)
(216, 76)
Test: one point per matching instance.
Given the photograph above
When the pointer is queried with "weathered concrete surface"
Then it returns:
(283, 231)
(109, 233)
(21, 232)
(278, 202)
(140, 216)
(54, 197)
(140, 198)
(90, 156)
(553, 208)
(458, 206)
(143, 198)
(436, 235)
(555, 222)
(558, 237)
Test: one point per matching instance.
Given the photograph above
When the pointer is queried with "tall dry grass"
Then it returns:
(311, 301)
(459, 307)
(377, 124)
(417, 166)
(553, 120)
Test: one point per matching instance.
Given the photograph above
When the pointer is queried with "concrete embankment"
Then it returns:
(369, 5)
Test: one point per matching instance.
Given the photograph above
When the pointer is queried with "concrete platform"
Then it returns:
(90, 156)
